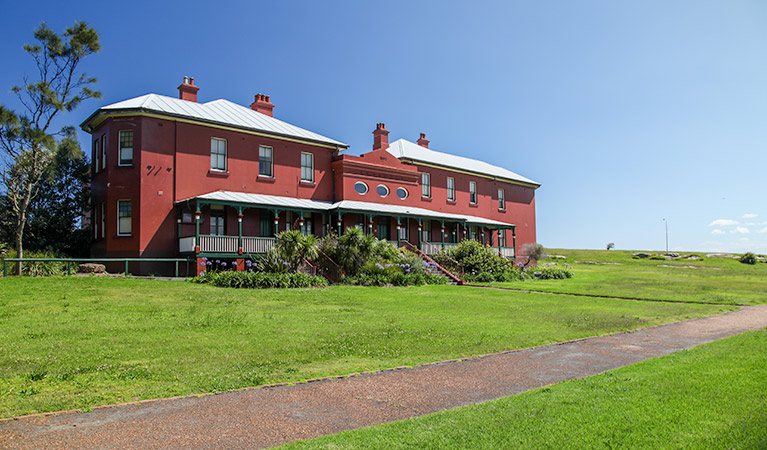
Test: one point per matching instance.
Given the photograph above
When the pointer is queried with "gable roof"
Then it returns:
(220, 111)
(404, 149)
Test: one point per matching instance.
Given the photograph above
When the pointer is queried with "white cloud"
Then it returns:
(723, 223)
(763, 230)
(750, 216)
(740, 230)
(717, 231)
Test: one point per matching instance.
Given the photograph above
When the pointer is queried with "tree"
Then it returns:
(534, 252)
(54, 213)
(610, 246)
(25, 137)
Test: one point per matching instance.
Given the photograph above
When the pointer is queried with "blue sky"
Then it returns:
(626, 112)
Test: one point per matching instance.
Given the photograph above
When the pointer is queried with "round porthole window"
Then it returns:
(361, 188)
(382, 190)
(402, 193)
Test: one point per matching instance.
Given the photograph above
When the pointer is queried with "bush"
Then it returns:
(260, 280)
(37, 268)
(477, 258)
(549, 271)
(534, 252)
(748, 258)
(396, 279)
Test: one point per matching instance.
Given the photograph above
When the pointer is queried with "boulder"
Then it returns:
(91, 268)
(641, 255)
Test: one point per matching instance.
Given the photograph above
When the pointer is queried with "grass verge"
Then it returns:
(81, 342)
(711, 396)
(711, 280)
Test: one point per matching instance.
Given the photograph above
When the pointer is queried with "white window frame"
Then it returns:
(450, 189)
(121, 149)
(425, 185)
(385, 188)
(218, 154)
(104, 152)
(311, 158)
(270, 150)
(501, 199)
(120, 231)
(367, 188)
(473, 198)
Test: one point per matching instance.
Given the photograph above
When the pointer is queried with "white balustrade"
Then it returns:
(252, 244)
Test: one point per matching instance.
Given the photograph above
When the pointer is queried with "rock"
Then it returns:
(557, 257)
(641, 255)
(91, 268)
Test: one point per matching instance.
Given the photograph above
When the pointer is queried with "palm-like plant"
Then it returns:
(294, 246)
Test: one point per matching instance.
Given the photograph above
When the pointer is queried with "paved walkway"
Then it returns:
(267, 417)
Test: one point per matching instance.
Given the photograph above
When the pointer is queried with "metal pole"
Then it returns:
(126, 267)
(69, 271)
(176, 268)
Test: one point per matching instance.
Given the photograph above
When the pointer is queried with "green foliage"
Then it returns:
(25, 137)
(351, 251)
(477, 258)
(293, 247)
(54, 213)
(260, 280)
(549, 271)
(395, 279)
(36, 268)
(748, 258)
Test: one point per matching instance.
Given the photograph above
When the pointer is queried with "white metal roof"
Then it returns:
(218, 111)
(345, 205)
(402, 148)
(268, 200)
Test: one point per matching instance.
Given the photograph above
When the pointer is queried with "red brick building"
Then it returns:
(174, 177)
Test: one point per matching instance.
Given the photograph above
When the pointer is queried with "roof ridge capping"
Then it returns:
(210, 111)
(404, 149)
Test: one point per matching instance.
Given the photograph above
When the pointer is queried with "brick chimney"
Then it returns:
(380, 137)
(422, 141)
(188, 91)
(263, 105)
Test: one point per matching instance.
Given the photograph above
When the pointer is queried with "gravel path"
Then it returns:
(267, 417)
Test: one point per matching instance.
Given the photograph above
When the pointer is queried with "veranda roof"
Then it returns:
(275, 201)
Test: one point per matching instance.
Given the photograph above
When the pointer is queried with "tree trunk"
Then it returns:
(20, 222)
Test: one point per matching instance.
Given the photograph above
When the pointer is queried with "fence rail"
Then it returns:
(70, 261)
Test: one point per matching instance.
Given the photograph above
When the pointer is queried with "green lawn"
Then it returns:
(80, 342)
(712, 397)
(723, 280)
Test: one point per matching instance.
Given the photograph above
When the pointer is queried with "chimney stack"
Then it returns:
(263, 105)
(188, 91)
(380, 137)
(422, 141)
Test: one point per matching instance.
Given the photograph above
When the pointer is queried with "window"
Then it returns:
(426, 185)
(502, 238)
(217, 222)
(382, 190)
(96, 155)
(426, 231)
(360, 222)
(186, 217)
(451, 189)
(501, 199)
(402, 193)
(306, 228)
(404, 232)
(218, 154)
(126, 147)
(103, 220)
(307, 167)
(124, 217)
(472, 192)
(361, 188)
(288, 220)
(383, 229)
(265, 162)
(104, 151)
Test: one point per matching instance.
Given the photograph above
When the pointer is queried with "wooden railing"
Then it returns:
(218, 244)
(257, 244)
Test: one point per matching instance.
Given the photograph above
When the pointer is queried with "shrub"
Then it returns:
(396, 279)
(477, 258)
(748, 258)
(534, 252)
(37, 268)
(293, 246)
(548, 271)
(260, 280)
